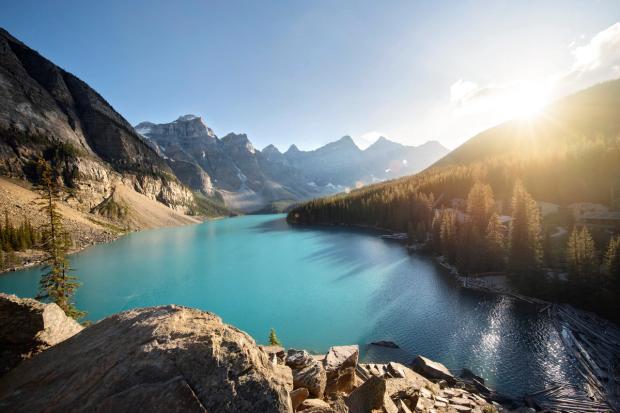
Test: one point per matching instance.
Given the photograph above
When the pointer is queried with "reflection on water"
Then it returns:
(317, 288)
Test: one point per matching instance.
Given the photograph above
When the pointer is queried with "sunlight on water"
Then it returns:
(317, 288)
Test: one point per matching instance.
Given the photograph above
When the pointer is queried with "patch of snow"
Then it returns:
(311, 184)
(388, 170)
(186, 118)
(143, 130)
(203, 154)
(405, 162)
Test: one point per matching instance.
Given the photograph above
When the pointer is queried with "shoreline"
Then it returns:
(33, 258)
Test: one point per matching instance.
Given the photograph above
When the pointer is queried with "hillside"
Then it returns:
(569, 153)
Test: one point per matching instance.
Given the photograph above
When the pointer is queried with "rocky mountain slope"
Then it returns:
(46, 112)
(173, 358)
(343, 164)
(248, 179)
(231, 167)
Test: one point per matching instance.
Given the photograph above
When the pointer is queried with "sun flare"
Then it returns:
(527, 102)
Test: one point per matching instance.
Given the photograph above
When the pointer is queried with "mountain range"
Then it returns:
(248, 179)
(182, 166)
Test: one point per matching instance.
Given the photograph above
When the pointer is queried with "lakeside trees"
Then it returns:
(581, 256)
(57, 284)
(525, 236)
(18, 238)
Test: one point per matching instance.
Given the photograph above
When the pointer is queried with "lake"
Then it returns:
(320, 287)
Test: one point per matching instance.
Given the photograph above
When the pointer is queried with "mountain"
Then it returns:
(569, 153)
(250, 180)
(343, 164)
(230, 167)
(46, 112)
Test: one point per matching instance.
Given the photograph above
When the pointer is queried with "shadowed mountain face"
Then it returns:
(46, 112)
(250, 179)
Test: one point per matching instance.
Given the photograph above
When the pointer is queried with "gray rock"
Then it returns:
(307, 372)
(370, 396)
(431, 369)
(28, 327)
(154, 359)
(340, 363)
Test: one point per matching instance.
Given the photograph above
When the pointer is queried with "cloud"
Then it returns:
(595, 61)
(601, 53)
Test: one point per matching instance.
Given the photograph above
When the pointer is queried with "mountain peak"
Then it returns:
(292, 149)
(383, 143)
(270, 149)
(187, 118)
(238, 140)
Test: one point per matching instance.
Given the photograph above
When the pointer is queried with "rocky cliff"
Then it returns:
(249, 179)
(173, 358)
(246, 178)
(46, 112)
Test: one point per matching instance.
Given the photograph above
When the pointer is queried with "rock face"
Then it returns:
(307, 372)
(46, 112)
(153, 359)
(340, 364)
(28, 327)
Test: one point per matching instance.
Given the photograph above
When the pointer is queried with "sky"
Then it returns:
(309, 72)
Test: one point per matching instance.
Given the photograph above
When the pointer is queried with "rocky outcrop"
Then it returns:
(340, 363)
(307, 372)
(153, 359)
(28, 327)
(175, 358)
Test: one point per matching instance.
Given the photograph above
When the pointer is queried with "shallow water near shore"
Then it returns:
(320, 287)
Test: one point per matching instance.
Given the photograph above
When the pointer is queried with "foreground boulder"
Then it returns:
(28, 327)
(432, 369)
(307, 372)
(340, 363)
(152, 359)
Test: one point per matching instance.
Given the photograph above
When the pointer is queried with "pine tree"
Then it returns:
(581, 255)
(57, 284)
(611, 262)
(495, 244)
(525, 249)
(273, 338)
(480, 203)
(448, 234)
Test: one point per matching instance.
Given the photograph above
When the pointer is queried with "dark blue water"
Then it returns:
(317, 288)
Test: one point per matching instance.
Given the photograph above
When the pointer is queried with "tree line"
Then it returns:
(18, 238)
(478, 240)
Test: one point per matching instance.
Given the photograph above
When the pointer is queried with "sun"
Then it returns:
(527, 102)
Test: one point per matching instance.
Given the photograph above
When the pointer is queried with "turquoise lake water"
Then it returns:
(320, 287)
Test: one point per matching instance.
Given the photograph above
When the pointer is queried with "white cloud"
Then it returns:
(593, 62)
(601, 53)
